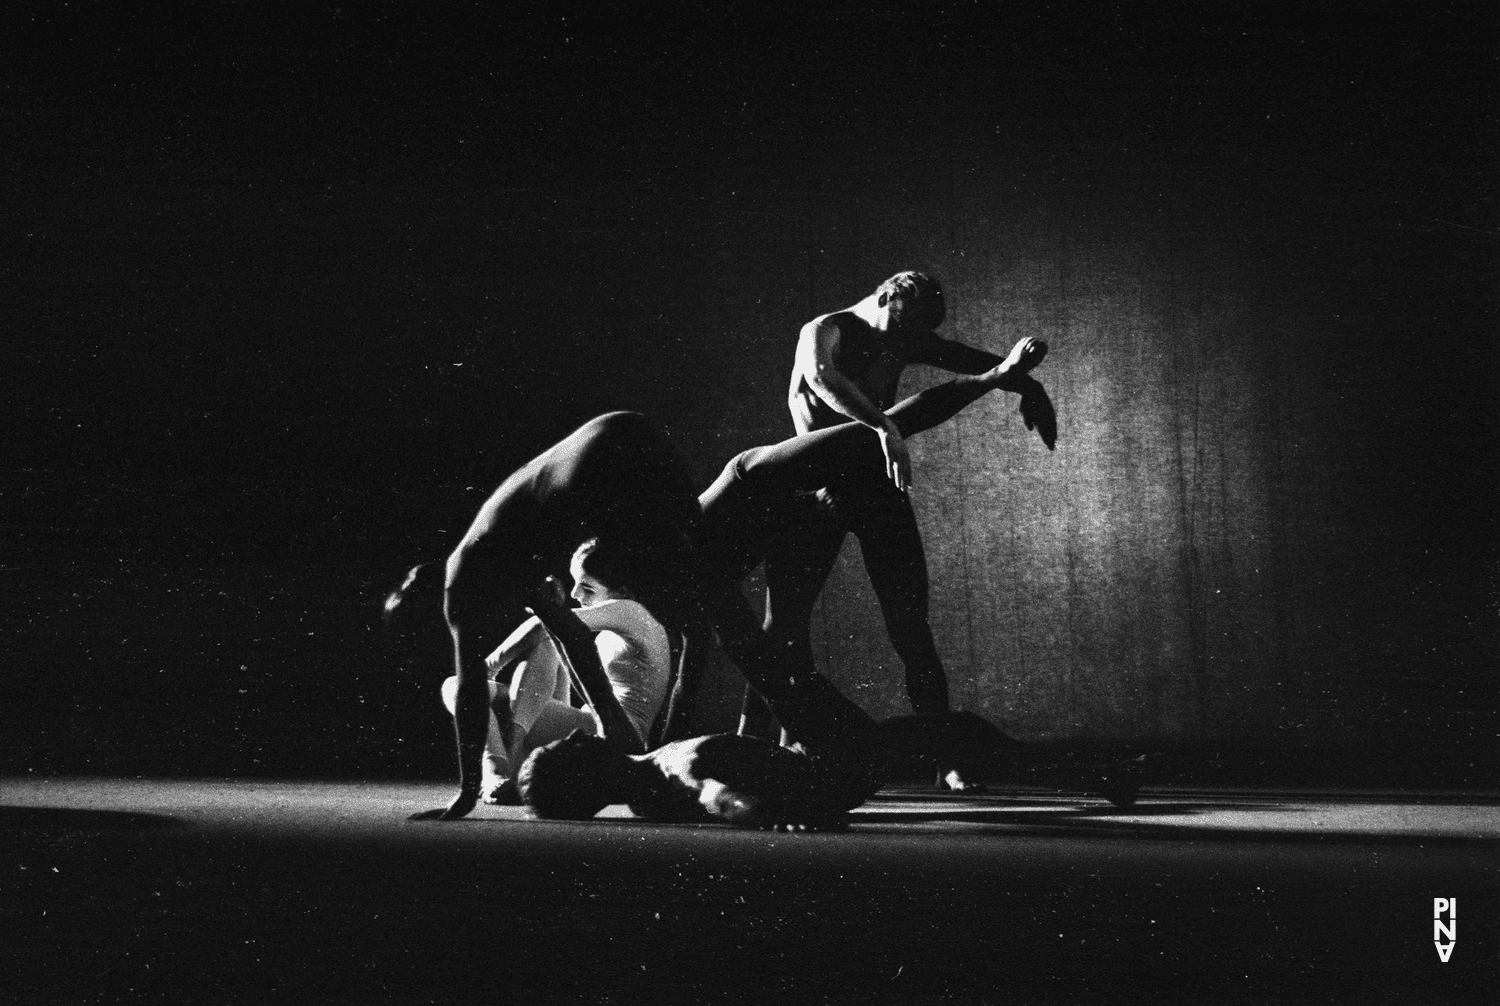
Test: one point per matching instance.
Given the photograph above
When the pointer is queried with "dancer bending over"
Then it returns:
(617, 478)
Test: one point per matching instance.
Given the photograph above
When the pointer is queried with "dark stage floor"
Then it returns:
(269, 892)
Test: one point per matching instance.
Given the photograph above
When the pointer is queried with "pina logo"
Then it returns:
(1444, 930)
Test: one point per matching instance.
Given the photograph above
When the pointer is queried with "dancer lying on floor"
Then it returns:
(616, 478)
(633, 650)
(752, 782)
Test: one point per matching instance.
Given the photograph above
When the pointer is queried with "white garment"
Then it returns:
(636, 654)
(632, 646)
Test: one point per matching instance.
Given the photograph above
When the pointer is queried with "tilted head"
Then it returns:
(574, 778)
(913, 300)
(601, 572)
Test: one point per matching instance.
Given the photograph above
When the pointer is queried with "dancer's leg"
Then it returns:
(923, 411)
(539, 711)
(810, 709)
(797, 565)
(574, 644)
(756, 719)
(891, 546)
(813, 460)
(745, 506)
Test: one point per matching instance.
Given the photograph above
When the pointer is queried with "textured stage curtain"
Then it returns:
(1213, 551)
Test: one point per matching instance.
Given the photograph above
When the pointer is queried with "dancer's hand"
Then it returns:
(729, 806)
(1037, 411)
(825, 502)
(461, 805)
(500, 793)
(897, 456)
(553, 592)
(551, 597)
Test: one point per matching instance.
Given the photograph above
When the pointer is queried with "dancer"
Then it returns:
(753, 782)
(616, 478)
(848, 365)
(634, 652)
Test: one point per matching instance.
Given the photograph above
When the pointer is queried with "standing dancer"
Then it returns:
(848, 366)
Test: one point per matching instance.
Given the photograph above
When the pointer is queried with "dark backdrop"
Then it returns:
(288, 292)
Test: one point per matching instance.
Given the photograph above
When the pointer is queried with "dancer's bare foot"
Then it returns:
(1024, 356)
(1120, 781)
(952, 781)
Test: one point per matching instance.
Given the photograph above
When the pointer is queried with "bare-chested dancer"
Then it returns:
(848, 365)
(616, 478)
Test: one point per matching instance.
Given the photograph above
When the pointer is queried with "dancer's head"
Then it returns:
(574, 778)
(602, 571)
(413, 612)
(913, 300)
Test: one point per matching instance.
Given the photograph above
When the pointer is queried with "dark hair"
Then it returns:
(417, 604)
(609, 562)
(573, 778)
(655, 574)
(918, 290)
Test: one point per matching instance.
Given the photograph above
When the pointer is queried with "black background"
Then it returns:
(288, 290)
